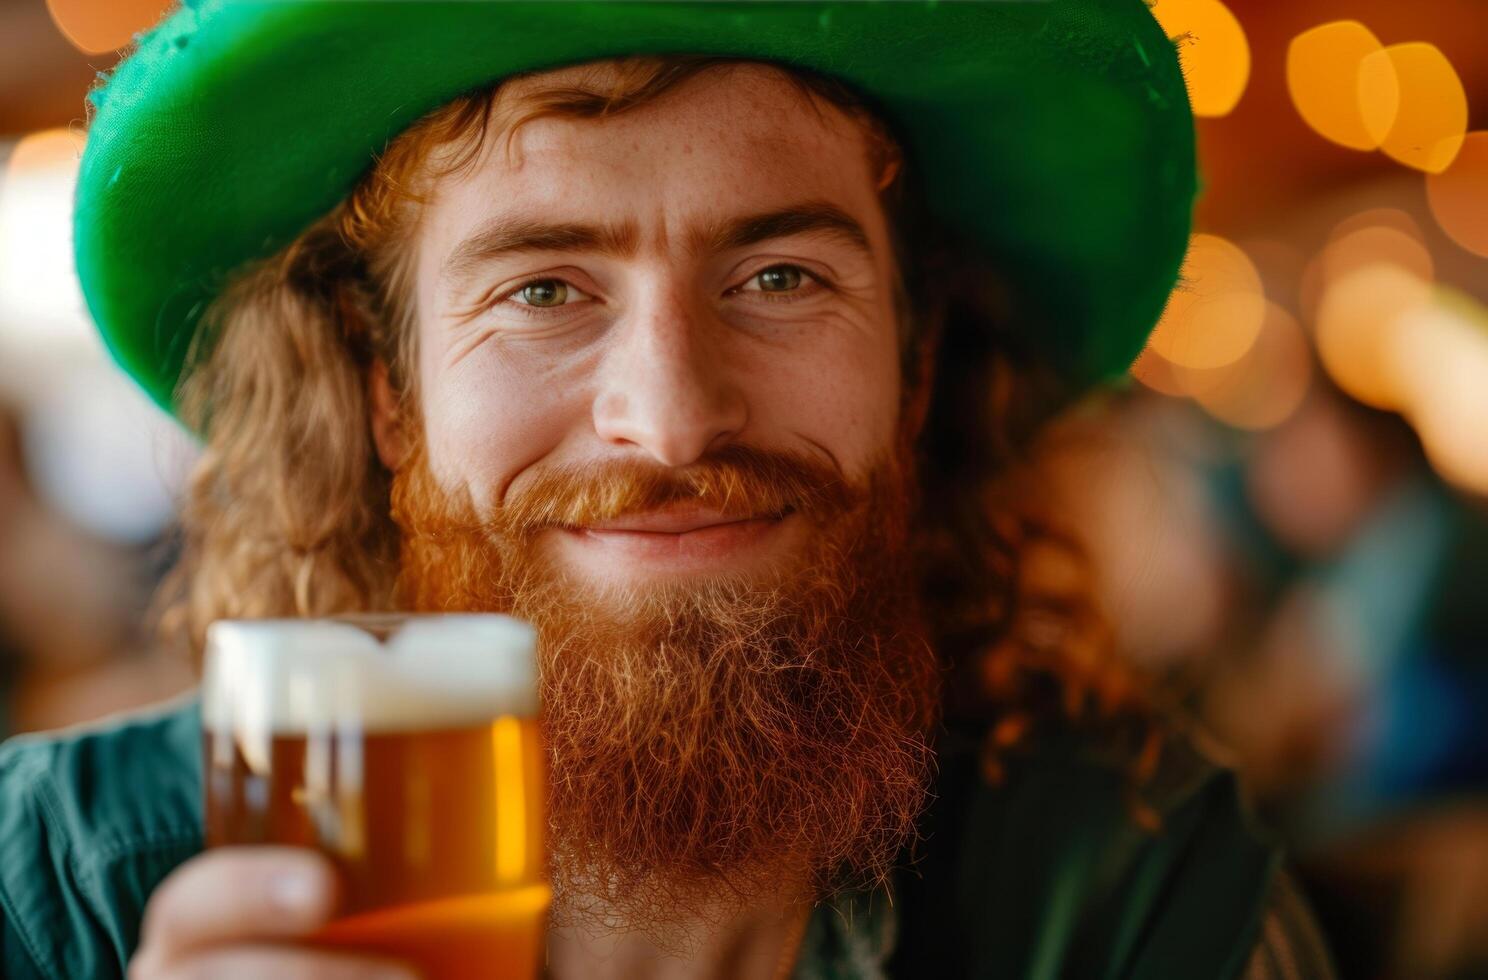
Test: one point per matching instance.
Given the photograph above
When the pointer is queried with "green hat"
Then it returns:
(1053, 135)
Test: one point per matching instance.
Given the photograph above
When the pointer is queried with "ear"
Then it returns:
(382, 406)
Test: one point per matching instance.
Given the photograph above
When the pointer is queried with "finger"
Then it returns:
(280, 963)
(236, 893)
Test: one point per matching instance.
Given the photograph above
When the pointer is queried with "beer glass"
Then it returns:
(405, 748)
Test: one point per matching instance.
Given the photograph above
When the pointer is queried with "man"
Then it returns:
(660, 353)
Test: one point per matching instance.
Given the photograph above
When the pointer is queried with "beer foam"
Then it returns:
(293, 676)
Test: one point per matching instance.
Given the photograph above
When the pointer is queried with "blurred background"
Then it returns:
(1293, 523)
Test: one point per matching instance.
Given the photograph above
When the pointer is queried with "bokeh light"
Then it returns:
(1357, 330)
(1378, 217)
(1414, 104)
(1459, 195)
(40, 298)
(1213, 49)
(1216, 312)
(1323, 78)
(1393, 236)
(1376, 245)
(1259, 390)
(1442, 354)
(97, 26)
(1263, 388)
(1157, 373)
(42, 152)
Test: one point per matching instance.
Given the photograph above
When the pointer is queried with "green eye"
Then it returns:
(779, 278)
(545, 292)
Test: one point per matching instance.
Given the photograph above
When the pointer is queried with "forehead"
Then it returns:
(729, 139)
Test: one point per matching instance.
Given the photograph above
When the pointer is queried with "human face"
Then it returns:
(682, 324)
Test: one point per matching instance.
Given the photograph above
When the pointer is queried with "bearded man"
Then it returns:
(699, 336)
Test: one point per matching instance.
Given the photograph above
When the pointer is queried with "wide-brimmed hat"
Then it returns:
(1054, 136)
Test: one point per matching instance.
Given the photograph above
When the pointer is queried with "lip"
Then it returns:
(676, 540)
(681, 519)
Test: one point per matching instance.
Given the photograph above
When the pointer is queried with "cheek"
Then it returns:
(839, 389)
(487, 417)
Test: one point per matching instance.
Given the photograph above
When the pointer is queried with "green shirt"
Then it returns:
(1041, 878)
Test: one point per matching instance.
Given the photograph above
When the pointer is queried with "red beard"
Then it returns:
(710, 739)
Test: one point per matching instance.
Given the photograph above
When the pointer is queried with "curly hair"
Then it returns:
(287, 510)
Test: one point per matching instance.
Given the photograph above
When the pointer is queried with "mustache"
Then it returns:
(737, 480)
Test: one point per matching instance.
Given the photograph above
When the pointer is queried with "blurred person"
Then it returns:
(689, 360)
(1330, 644)
(1383, 784)
(1151, 533)
(1269, 695)
(1308, 555)
(1338, 528)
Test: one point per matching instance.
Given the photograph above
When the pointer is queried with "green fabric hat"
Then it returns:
(1055, 135)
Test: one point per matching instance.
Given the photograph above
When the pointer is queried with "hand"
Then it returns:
(236, 912)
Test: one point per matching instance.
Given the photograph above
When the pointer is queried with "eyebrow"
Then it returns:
(513, 235)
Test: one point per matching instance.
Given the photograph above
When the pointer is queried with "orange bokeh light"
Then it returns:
(1263, 388)
(1258, 391)
(1443, 367)
(1459, 195)
(1376, 245)
(1358, 323)
(1214, 315)
(1213, 49)
(97, 26)
(43, 151)
(1393, 237)
(1154, 371)
(1414, 105)
(1382, 217)
(1323, 78)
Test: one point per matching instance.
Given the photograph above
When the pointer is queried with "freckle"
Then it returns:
(687, 149)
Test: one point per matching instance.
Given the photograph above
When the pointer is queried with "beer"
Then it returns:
(407, 750)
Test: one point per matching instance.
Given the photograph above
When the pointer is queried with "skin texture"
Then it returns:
(663, 355)
(668, 354)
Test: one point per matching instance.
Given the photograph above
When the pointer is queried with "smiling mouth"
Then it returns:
(676, 521)
(678, 540)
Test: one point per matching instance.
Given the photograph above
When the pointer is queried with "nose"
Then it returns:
(665, 387)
